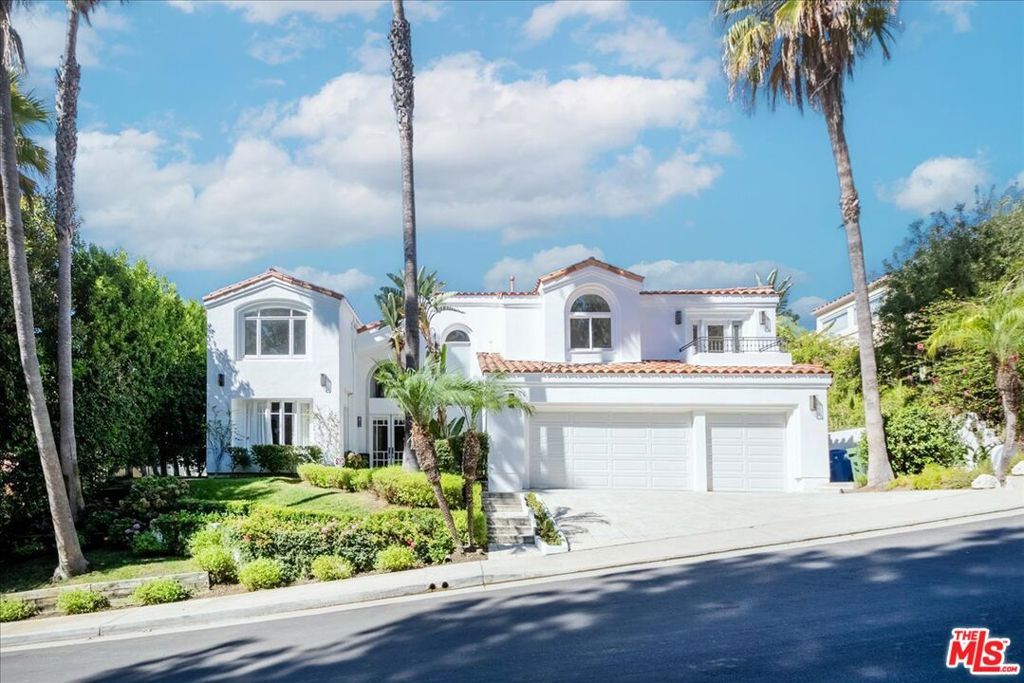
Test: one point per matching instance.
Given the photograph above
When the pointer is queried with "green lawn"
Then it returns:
(107, 565)
(286, 492)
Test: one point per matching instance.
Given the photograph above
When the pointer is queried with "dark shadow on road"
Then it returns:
(843, 612)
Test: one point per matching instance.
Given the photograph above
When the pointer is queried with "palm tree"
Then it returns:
(781, 288)
(68, 82)
(390, 302)
(993, 326)
(69, 552)
(491, 394)
(29, 114)
(431, 300)
(804, 49)
(419, 392)
(400, 38)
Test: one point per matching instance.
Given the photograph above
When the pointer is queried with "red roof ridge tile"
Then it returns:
(272, 274)
(494, 362)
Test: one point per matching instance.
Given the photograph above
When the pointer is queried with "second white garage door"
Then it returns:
(747, 452)
(609, 451)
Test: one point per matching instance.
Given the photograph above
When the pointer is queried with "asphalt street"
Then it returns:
(877, 609)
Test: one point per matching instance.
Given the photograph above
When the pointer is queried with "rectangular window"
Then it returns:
(273, 337)
(579, 333)
(250, 337)
(275, 422)
(737, 328)
(601, 333)
(694, 333)
(299, 337)
(285, 422)
(839, 322)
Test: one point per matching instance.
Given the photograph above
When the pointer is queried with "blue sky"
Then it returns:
(220, 138)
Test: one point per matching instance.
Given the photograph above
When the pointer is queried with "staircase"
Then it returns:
(508, 521)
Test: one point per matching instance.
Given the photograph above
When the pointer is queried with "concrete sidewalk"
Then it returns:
(891, 514)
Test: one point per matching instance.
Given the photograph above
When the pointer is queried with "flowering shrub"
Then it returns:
(151, 496)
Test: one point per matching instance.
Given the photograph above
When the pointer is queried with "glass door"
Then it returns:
(716, 338)
(387, 435)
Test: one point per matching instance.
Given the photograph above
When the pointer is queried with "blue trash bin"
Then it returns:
(839, 466)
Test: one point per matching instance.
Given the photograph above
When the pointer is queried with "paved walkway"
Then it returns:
(595, 519)
(877, 512)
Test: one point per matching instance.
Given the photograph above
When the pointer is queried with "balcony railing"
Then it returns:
(736, 345)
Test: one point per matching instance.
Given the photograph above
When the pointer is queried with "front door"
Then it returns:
(388, 438)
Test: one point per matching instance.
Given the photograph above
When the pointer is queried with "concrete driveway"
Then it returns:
(594, 519)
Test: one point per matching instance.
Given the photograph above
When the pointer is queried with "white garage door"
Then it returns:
(609, 451)
(747, 452)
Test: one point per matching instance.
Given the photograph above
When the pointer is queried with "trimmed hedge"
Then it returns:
(936, 476)
(394, 558)
(331, 568)
(399, 487)
(15, 610)
(80, 601)
(160, 591)
(262, 574)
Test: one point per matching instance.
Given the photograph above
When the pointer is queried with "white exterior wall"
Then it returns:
(847, 329)
(695, 399)
(329, 332)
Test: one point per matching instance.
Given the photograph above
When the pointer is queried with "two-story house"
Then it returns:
(632, 389)
(838, 318)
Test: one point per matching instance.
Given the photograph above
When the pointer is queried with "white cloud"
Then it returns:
(958, 12)
(527, 270)
(1019, 180)
(326, 167)
(270, 11)
(344, 282)
(645, 43)
(287, 46)
(545, 19)
(186, 6)
(803, 306)
(42, 28)
(669, 274)
(937, 183)
(373, 55)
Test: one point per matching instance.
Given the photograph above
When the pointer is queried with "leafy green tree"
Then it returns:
(804, 50)
(992, 325)
(420, 393)
(845, 404)
(492, 394)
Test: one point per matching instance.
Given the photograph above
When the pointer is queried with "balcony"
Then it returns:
(737, 351)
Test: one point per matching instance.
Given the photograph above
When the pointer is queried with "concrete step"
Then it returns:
(517, 539)
(521, 529)
(504, 522)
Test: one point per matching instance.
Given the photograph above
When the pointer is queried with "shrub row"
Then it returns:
(936, 476)
(329, 477)
(393, 484)
(546, 528)
(15, 610)
(273, 458)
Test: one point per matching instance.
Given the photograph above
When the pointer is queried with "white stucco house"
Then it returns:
(838, 318)
(632, 389)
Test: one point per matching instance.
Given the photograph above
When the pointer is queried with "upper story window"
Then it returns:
(839, 322)
(590, 323)
(275, 332)
(457, 337)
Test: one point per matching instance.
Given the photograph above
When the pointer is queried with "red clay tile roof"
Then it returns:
(272, 274)
(738, 291)
(497, 294)
(370, 326)
(874, 284)
(555, 274)
(494, 362)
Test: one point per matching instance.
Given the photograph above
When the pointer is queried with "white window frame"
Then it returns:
(590, 316)
(295, 313)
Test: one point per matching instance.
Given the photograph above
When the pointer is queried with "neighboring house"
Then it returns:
(838, 318)
(632, 389)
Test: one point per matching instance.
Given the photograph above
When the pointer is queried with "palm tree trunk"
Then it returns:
(879, 469)
(69, 552)
(470, 462)
(428, 463)
(403, 100)
(68, 79)
(1008, 383)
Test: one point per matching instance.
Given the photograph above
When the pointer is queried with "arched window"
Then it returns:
(376, 390)
(457, 337)
(275, 332)
(590, 323)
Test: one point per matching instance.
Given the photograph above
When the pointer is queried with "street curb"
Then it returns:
(421, 579)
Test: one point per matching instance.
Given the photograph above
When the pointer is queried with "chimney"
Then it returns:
(511, 283)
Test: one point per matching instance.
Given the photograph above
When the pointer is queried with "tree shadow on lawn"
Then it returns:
(830, 613)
